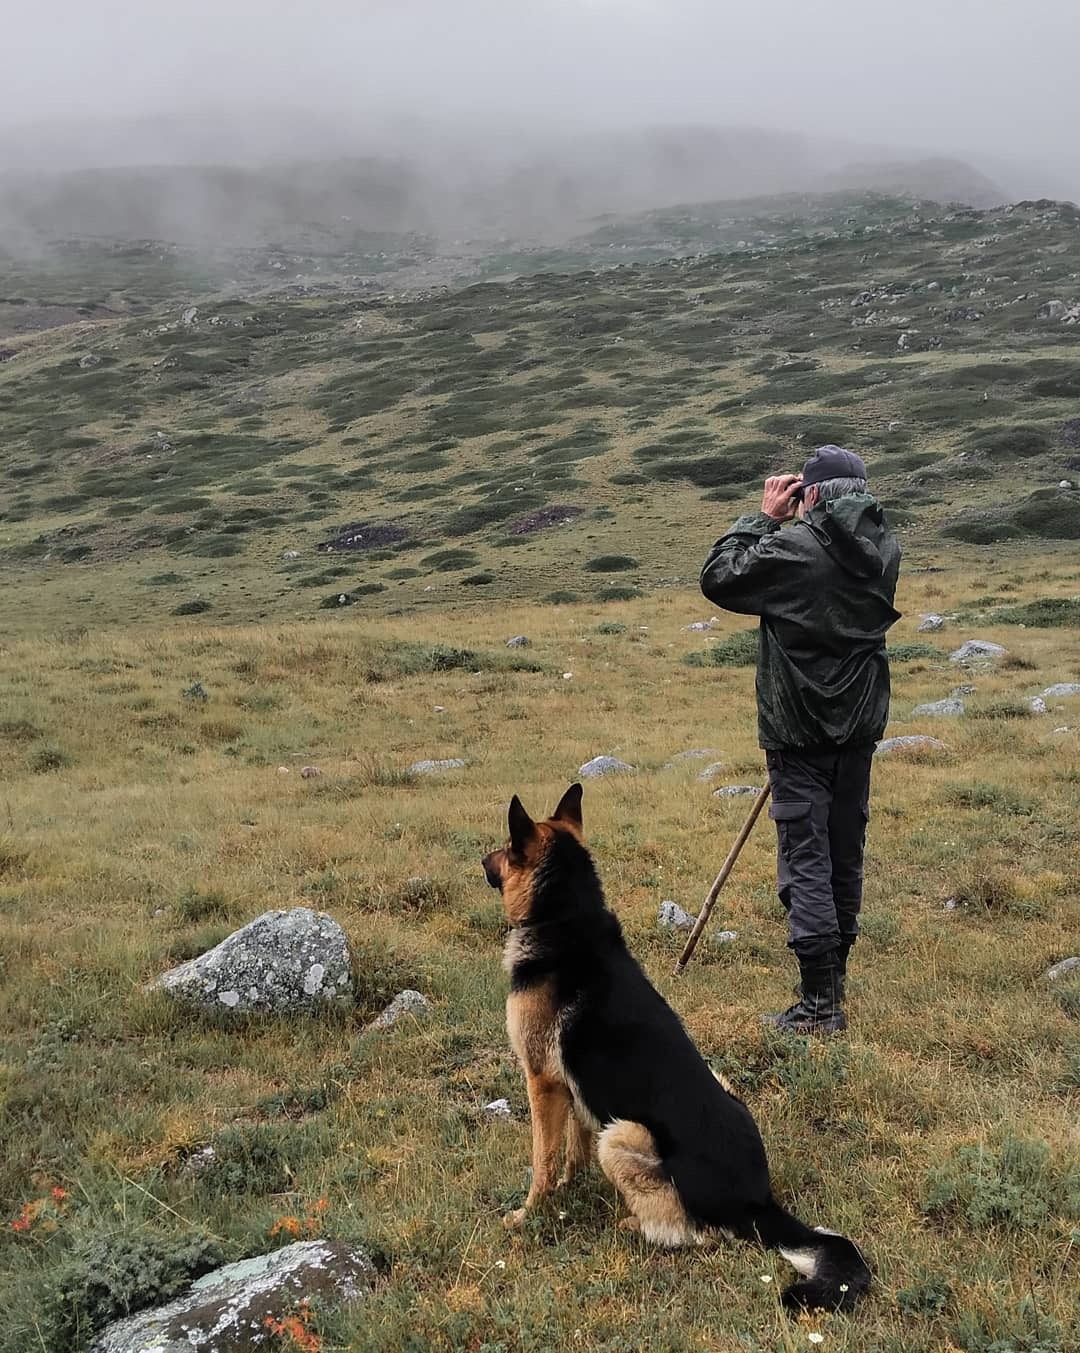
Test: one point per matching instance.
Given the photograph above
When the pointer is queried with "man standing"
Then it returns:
(824, 591)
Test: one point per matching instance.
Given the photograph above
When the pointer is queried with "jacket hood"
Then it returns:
(854, 532)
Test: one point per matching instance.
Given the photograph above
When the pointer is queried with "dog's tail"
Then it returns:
(834, 1273)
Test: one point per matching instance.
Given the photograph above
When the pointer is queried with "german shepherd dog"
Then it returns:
(604, 1053)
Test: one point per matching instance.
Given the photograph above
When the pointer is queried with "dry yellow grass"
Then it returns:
(138, 824)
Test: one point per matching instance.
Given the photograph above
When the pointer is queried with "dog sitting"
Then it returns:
(604, 1053)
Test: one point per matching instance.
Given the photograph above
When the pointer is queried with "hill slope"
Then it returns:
(539, 435)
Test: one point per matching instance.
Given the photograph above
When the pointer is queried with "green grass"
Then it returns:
(940, 1132)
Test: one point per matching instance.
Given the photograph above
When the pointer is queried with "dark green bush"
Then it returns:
(112, 1275)
(913, 651)
(1009, 443)
(195, 607)
(48, 758)
(737, 650)
(612, 563)
(1044, 613)
(249, 1159)
(1001, 709)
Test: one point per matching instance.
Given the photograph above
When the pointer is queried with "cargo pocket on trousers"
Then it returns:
(793, 827)
(790, 811)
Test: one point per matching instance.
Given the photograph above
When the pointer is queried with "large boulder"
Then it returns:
(1061, 690)
(281, 962)
(940, 709)
(236, 1308)
(978, 650)
(912, 742)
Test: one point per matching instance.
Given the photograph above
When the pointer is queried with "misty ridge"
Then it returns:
(240, 124)
(441, 183)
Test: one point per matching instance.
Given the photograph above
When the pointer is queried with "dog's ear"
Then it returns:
(521, 825)
(569, 809)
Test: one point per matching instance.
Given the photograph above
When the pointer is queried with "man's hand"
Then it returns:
(778, 500)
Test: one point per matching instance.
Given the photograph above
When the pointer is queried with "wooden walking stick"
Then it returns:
(720, 880)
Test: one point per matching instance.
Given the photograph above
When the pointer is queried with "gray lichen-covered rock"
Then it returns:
(913, 742)
(711, 771)
(434, 767)
(735, 791)
(941, 709)
(406, 1002)
(1063, 969)
(670, 916)
(725, 937)
(931, 623)
(978, 650)
(1037, 705)
(693, 754)
(1062, 690)
(604, 765)
(519, 641)
(227, 1310)
(283, 961)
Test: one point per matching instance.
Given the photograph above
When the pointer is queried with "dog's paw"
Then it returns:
(630, 1224)
(514, 1221)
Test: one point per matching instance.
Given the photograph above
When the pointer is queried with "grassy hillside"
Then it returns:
(195, 457)
(142, 823)
(156, 463)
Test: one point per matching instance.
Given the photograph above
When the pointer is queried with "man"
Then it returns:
(824, 590)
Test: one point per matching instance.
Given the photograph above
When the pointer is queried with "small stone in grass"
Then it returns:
(604, 765)
(406, 1002)
(671, 916)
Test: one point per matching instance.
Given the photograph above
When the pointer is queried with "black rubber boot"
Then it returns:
(842, 952)
(819, 1009)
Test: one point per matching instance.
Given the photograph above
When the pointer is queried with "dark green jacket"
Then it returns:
(824, 590)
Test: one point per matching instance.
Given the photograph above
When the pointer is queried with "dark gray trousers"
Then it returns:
(821, 805)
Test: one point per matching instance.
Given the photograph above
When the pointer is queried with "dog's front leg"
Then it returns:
(549, 1106)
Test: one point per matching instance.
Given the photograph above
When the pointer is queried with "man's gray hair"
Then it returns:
(829, 489)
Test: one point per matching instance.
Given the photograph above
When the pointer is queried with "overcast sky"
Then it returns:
(996, 78)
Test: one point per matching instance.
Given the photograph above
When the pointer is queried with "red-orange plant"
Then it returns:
(295, 1330)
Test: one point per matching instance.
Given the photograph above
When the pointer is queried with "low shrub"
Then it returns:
(612, 563)
(114, 1274)
(1017, 1185)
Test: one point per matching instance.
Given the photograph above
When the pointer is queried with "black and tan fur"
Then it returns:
(607, 1059)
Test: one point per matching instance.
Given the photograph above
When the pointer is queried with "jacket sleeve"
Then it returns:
(748, 570)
